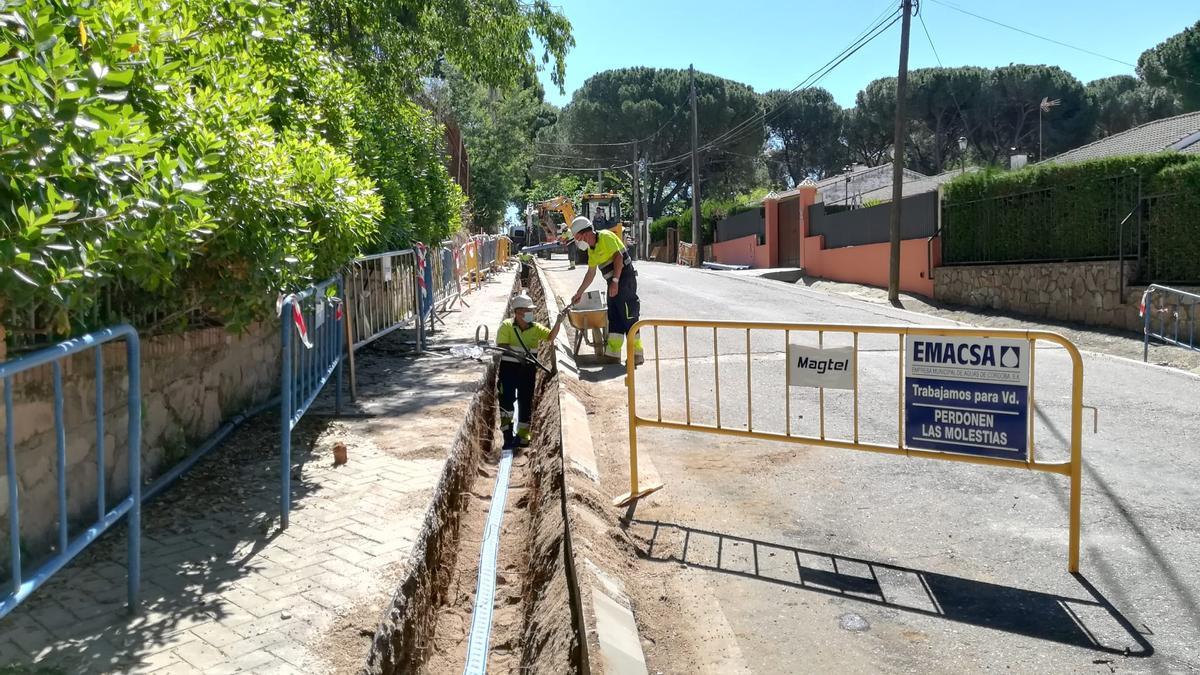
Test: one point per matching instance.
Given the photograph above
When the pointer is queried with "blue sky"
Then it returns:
(776, 44)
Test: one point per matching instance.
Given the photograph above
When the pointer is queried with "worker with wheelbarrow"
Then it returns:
(607, 253)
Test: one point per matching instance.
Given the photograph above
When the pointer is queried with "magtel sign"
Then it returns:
(967, 395)
(831, 368)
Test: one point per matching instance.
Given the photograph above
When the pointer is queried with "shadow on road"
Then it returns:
(598, 369)
(1089, 621)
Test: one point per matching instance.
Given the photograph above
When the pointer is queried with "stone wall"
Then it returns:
(1084, 292)
(190, 383)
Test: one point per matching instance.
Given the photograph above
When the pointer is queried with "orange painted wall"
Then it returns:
(869, 264)
(742, 251)
(738, 251)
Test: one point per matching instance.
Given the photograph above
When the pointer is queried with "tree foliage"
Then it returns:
(499, 127)
(1122, 102)
(400, 41)
(199, 156)
(805, 132)
(627, 104)
(1174, 65)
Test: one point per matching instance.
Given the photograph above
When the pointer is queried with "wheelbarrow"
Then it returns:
(590, 321)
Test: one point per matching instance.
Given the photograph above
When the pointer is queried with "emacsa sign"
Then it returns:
(967, 353)
(972, 359)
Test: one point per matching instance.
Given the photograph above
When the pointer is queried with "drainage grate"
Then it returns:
(485, 587)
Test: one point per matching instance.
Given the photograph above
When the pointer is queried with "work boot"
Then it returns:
(612, 347)
(638, 357)
(510, 439)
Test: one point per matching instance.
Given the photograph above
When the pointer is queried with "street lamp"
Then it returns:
(962, 154)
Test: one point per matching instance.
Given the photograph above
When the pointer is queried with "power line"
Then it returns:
(962, 118)
(738, 131)
(656, 132)
(1035, 35)
(878, 28)
(581, 168)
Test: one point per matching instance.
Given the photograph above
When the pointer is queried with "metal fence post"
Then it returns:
(285, 412)
(420, 314)
(339, 329)
(428, 295)
(1147, 302)
(133, 358)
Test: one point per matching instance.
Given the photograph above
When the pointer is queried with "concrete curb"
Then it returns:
(610, 618)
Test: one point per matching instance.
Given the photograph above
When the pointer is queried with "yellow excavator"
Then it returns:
(602, 208)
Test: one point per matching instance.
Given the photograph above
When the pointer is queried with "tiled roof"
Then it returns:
(918, 186)
(1181, 133)
(881, 174)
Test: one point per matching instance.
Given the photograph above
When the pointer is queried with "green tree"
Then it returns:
(499, 127)
(1174, 64)
(491, 41)
(869, 125)
(1007, 116)
(938, 99)
(651, 104)
(1122, 102)
(806, 128)
(170, 157)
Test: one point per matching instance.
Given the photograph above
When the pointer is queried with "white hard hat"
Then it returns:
(580, 224)
(522, 301)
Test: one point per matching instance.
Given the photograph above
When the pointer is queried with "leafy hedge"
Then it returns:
(1173, 225)
(1051, 212)
(194, 155)
(712, 211)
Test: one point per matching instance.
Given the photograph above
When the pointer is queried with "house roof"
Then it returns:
(1180, 133)
(854, 176)
(918, 186)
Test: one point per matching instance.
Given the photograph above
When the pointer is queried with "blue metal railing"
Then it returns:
(1173, 307)
(305, 369)
(68, 548)
(445, 287)
(428, 297)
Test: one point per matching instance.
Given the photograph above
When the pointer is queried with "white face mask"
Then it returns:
(583, 245)
(527, 317)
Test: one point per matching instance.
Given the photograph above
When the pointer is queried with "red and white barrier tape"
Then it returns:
(298, 315)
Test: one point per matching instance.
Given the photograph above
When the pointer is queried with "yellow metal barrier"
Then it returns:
(1071, 468)
(502, 251)
(471, 263)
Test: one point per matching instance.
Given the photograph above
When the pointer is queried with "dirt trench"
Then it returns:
(534, 625)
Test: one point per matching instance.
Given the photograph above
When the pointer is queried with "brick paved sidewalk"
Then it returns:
(223, 589)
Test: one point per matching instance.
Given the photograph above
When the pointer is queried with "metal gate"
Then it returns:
(790, 239)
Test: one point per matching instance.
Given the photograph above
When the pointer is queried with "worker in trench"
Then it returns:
(607, 253)
(519, 336)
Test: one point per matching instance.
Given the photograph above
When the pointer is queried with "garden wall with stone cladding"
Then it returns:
(191, 382)
(1083, 292)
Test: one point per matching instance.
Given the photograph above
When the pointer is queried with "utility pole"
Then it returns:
(696, 243)
(898, 156)
(636, 202)
(599, 179)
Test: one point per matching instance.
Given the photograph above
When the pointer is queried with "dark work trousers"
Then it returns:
(516, 383)
(625, 308)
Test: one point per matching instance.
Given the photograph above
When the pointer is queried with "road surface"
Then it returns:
(768, 557)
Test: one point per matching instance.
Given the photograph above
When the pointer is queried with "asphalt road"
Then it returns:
(815, 559)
